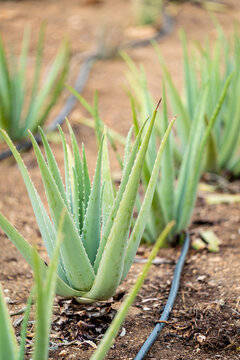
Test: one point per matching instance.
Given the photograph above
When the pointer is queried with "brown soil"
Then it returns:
(205, 322)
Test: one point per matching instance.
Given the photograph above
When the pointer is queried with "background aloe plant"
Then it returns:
(176, 192)
(97, 252)
(212, 64)
(44, 290)
(22, 107)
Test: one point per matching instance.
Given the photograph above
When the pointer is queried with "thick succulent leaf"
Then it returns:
(97, 121)
(87, 106)
(87, 183)
(189, 159)
(112, 331)
(107, 192)
(45, 290)
(78, 182)
(111, 265)
(193, 175)
(92, 221)
(231, 136)
(23, 334)
(42, 218)
(53, 165)
(8, 342)
(142, 218)
(5, 97)
(111, 218)
(211, 164)
(67, 169)
(46, 227)
(76, 263)
(166, 186)
(127, 149)
(26, 251)
(50, 90)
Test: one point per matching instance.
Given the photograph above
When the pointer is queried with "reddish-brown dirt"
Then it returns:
(205, 322)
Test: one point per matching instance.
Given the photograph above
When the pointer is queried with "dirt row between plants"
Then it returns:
(205, 321)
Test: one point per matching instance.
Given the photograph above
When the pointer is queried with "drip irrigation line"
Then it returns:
(83, 78)
(170, 302)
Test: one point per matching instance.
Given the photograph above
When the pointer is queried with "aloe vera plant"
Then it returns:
(23, 107)
(176, 192)
(44, 289)
(212, 64)
(98, 251)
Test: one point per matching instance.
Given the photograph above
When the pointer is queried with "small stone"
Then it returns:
(63, 353)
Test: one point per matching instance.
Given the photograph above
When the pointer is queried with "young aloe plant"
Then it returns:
(17, 114)
(44, 289)
(98, 251)
(213, 65)
(175, 195)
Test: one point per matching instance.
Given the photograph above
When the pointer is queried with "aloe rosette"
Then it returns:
(176, 192)
(99, 248)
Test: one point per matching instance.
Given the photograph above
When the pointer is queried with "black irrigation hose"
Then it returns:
(170, 302)
(83, 77)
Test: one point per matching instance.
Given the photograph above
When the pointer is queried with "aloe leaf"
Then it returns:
(52, 86)
(45, 225)
(8, 342)
(67, 169)
(97, 120)
(45, 289)
(189, 156)
(230, 138)
(91, 229)
(142, 218)
(53, 165)
(23, 334)
(134, 115)
(166, 186)
(40, 345)
(5, 107)
(192, 182)
(108, 193)
(211, 152)
(127, 149)
(78, 183)
(112, 261)
(26, 251)
(87, 183)
(111, 333)
(87, 106)
(76, 263)
(125, 177)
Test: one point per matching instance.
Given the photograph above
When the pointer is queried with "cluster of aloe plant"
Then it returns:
(175, 195)
(97, 251)
(100, 234)
(22, 107)
(213, 65)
